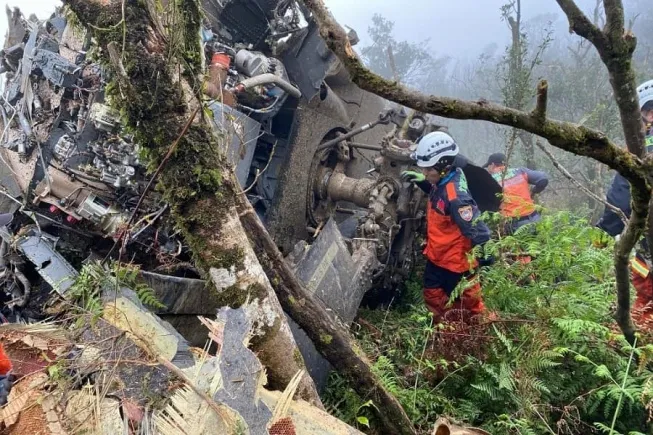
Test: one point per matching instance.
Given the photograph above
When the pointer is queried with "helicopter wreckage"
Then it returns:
(329, 192)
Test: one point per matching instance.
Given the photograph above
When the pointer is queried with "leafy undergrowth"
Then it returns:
(554, 362)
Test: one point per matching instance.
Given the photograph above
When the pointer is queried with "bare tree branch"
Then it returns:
(615, 49)
(580, 24)
(330, 338)
(578, 184)
(542, 96)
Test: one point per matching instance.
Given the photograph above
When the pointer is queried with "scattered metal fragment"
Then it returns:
(51, 265)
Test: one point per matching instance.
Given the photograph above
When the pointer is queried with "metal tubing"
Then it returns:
(267, 78)
(365, 146)
(356, 190)
(332, 142)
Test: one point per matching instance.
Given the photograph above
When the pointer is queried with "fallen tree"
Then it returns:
(157, 68)
(615, 47)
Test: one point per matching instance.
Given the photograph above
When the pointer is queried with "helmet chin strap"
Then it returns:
(444, 171)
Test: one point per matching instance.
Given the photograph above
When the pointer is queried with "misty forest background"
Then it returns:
(540, 47)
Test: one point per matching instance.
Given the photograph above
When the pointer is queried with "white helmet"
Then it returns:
(433, 147)
(645, 93)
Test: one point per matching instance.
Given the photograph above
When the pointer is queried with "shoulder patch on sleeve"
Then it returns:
(466, 212)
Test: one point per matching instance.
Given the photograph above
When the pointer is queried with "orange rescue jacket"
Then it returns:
(517, 200)
(452, 225)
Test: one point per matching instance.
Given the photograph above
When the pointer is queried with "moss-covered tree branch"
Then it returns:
(614, 14)
(580, 24)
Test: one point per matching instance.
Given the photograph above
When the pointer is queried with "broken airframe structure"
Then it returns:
(72, 177)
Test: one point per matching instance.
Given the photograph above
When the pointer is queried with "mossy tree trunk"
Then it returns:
(615, 47)
(156, 85)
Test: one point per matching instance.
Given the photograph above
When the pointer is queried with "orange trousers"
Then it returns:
(643, 283)
(470, 300)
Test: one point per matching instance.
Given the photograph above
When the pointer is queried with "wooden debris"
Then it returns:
(444, 427)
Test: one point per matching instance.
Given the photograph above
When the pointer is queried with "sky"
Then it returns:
(457, 28)
(42, 8)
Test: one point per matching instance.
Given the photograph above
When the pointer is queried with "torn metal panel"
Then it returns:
(184, 296)
(54, 269)
(309, 60)
(240, 136)
(56, 26)
(327, 270)
(55, 68)
(242, 373)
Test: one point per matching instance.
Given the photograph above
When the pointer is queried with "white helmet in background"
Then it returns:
(435, 147)
(645, 93)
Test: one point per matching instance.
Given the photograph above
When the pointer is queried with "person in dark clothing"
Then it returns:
(619, 196)
(453, 228)
(517, 205)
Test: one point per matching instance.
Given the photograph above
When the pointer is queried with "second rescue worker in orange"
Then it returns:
(517, 204)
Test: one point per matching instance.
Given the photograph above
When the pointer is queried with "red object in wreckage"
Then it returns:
(5, 362)
(54, 209)
(71, 219)
(221, 59)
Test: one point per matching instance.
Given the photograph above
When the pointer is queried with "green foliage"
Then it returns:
(94, 277)
(554, 363)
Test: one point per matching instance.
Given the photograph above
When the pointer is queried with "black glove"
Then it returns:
(486, 261)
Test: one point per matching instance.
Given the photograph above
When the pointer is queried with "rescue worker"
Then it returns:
(453, 228)
(619, 196)
(517, 204)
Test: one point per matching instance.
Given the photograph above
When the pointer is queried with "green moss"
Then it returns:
(297, 357)
(326, 338)
(292, 300)
(192, 18)
(235, 297)
(232, 296)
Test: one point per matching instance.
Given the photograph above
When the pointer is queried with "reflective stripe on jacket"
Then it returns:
(639, 267)
(453, 227)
